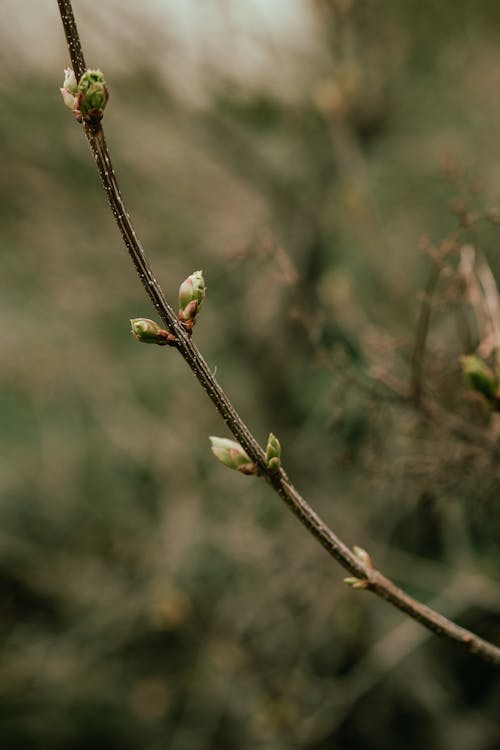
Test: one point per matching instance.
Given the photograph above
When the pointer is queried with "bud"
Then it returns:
(191, 296)
(479, 376)
(363, 556)
(232, 455)
(91, 97)
(148, 332)
(357, 583)
(70, 83)
(69, 88)
(273, 454)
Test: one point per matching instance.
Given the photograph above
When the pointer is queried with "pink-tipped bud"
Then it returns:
(70, 82)
(273, 454)
(231, 454)
(191, 296)
(148, 332)
(69, 88)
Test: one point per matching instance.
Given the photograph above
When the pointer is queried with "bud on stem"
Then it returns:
(191, 296)
(231, 454)
(148, 332)
(69, 88)
(357, 583)
(363, 556)
(273, 454)
(87, 98)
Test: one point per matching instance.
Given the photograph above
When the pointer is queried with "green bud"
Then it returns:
(479, 376)
(91, 97)
(148, 332)
(273, 454)
(93, 86)
(232, 455)
(69, 88)
(191, 296)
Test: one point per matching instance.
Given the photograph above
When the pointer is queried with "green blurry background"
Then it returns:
(299, 153)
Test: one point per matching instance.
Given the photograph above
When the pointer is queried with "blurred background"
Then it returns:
(333, 167)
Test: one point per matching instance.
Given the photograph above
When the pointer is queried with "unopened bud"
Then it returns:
(356, 583)
(191, 296)
(232, 455)
(273, 454)
(70, 82)
(148, 332)
(69, 88)
(87, 98)
(363, 556)
(479, 376)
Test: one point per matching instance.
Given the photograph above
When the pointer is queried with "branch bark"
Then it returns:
(368, 577)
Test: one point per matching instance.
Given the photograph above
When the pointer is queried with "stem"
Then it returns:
(373, 580)
(422, 331)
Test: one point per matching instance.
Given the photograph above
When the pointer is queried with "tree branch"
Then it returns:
(359, 566)
(422, 331)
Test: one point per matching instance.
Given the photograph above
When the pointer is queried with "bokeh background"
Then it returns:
(323, 163)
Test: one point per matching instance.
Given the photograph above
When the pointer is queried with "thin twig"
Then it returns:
(422, 331)
(370, 578)
(491, 299)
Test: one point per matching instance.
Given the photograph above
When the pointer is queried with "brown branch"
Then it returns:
(362, 569)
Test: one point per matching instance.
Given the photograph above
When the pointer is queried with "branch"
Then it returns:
(422, 331)
(358, 563)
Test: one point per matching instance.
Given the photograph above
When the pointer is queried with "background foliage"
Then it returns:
(149, 598)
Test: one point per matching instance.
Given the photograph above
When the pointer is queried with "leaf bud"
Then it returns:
(191, 296)
(273, 454)
(232, 455)
(69, 88)
(148, 332)
(363, 556)
(357, 583)
(91, 97)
